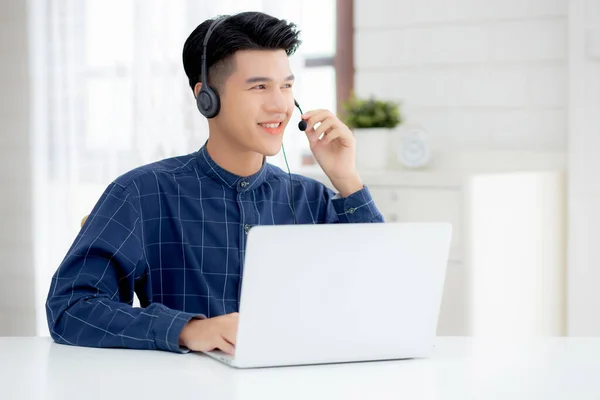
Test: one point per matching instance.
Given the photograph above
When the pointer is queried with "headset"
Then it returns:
(209, 104)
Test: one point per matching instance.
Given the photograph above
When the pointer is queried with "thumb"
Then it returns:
(225, 346)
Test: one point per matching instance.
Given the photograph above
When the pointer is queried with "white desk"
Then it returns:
(36, 368)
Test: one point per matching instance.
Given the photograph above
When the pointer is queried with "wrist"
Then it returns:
(186, 332)
(348, 186)
(183, 334)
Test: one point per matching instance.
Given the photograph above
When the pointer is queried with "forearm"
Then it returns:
(91, 295)
(100, 322)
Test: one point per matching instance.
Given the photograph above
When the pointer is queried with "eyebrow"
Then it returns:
(257, 79)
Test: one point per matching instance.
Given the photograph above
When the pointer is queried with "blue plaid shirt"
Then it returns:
(174, 233)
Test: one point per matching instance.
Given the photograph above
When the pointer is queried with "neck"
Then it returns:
(233, 159)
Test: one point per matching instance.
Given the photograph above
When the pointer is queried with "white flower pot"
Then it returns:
(373, 146)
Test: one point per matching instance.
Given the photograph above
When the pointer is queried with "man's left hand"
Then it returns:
(335, 151)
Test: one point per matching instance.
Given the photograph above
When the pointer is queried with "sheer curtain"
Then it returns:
(115, 96)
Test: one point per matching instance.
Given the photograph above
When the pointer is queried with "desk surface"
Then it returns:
(461, 368)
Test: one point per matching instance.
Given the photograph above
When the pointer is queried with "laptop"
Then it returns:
(338, 293)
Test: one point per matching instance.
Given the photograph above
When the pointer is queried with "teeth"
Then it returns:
(271, 125)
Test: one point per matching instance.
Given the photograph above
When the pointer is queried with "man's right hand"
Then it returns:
(211, 333)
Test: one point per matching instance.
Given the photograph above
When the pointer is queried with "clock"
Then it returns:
(413, 150)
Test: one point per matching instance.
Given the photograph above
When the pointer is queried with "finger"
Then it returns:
(310, 113)
(226, 347)
(316, 134)
(331, 136)
(318, 117)
(229, 330)
(324, 127)
(230, 334)
(319, 140)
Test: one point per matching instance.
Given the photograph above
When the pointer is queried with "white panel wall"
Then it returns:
(476, 74)
(17, 287)
(482, 77)
(516, 232)
(584, 169)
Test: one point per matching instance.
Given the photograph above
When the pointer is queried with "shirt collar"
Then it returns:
(226, 178)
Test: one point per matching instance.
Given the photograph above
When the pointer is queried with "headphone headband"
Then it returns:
(211, 28)
(208, 101)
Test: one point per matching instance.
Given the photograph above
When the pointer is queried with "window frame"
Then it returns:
(343, 59)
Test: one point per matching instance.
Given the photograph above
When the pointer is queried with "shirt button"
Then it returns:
(246, 228)
(351, 210)
(244, 184)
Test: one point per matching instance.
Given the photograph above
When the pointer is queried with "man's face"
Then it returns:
(256, 101)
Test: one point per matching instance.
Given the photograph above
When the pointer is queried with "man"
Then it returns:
(174, 231)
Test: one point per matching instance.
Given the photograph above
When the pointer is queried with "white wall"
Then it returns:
(517, 229)
(17, 284)
(584, 168)
(476, 74)
(486, 79)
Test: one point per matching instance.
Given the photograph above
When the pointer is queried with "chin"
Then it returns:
(269, 148)
(270, 151)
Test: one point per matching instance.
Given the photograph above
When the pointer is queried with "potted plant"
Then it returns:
(373, 122)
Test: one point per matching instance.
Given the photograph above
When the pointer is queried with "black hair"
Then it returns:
(249, 30)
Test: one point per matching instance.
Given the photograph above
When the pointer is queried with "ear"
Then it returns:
(197, 89)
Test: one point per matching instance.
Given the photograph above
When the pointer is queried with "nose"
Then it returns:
(278, 103)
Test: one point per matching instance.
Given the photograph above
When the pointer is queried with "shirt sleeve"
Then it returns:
(359, 207)
(90, 300)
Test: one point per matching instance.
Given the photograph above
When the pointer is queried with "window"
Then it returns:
(117, 103)
(327, 75)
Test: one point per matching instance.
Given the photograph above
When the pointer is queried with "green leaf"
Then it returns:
(371, 113)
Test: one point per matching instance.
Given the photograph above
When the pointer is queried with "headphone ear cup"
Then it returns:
(208, 102)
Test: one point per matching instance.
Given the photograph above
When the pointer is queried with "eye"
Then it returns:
(259, 87)
(287, 86)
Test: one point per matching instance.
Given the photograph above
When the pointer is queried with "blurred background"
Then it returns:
(497, 132)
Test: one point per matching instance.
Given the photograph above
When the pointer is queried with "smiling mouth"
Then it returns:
(274, 128)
